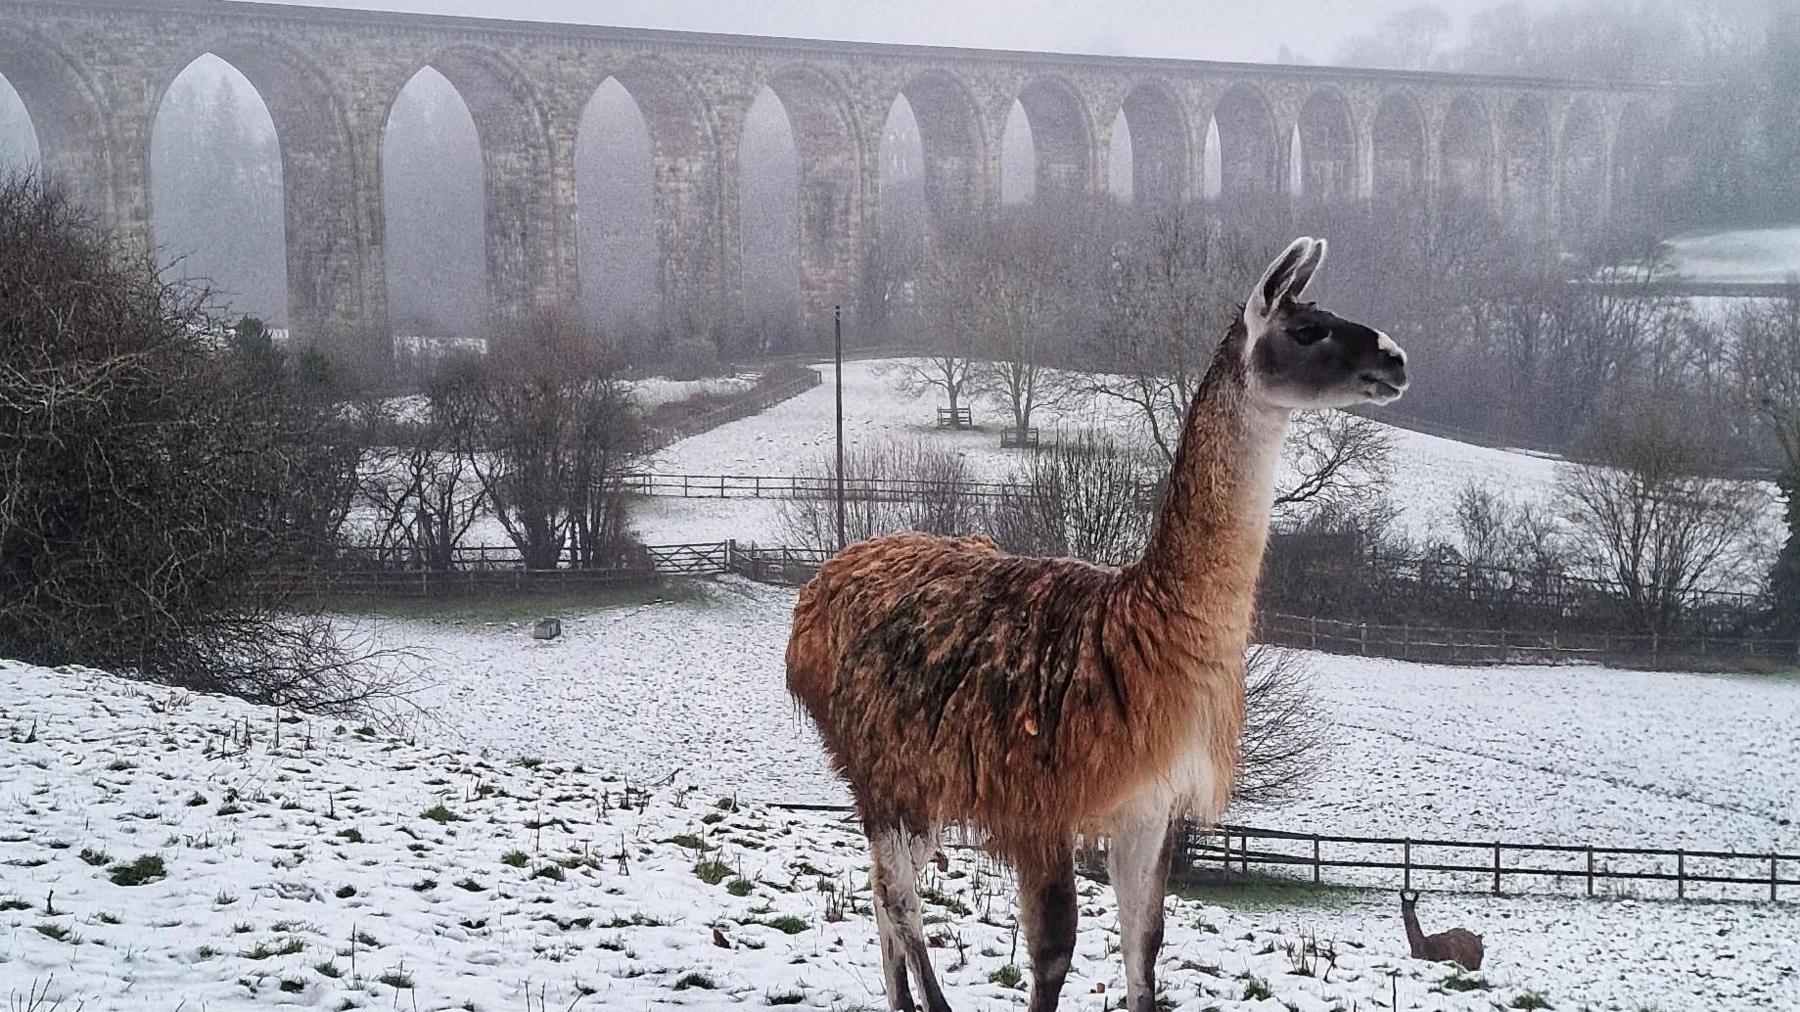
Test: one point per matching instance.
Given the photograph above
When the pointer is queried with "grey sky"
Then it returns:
(1203, 29)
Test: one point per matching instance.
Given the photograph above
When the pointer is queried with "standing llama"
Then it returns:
(1458, 945)
(1030, 701)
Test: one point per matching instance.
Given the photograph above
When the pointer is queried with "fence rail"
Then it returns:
(1508, 646)
(766, 486)
(1282, 851)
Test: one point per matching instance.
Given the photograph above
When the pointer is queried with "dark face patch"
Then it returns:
(1313, 358)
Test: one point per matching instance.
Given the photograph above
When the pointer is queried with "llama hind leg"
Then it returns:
(897, 856)
(1047, 915)
(893, 948)
(1138, 864)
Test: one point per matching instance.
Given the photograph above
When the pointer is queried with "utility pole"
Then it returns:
(837, 326)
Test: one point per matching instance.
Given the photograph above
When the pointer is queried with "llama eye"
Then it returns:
(1308, 333)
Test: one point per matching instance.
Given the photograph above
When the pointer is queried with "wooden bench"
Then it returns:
(1019, 439)
(955, 418)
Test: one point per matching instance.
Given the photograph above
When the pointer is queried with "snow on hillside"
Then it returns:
(163, 851)
(1747, 256)
(797, 437)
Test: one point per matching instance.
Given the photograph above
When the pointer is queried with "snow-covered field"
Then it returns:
(275, 858)
(797, 437)
(1752, 256)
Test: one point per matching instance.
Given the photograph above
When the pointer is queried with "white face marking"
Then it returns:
(1386, 343)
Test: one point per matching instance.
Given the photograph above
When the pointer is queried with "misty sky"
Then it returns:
(1202, 29)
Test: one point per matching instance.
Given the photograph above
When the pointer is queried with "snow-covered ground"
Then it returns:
(1748, 256)
(165, 852)
(797, 437)
(333, 835)
(655, 391)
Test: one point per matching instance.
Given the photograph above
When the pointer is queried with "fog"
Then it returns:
(1302, 30)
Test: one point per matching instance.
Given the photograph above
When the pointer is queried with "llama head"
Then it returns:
(1301, 356)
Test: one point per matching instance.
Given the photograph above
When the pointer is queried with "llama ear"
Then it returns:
(1288, 275)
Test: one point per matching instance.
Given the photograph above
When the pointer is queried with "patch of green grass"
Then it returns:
(470, 884)
(740, 886)
(57, 932)
(146, 868)
(292, 986)
(1008, 976)
(712, 818)
(695, 979)
(553, 872)
(515, 859)
(396, 978)
(424, 885)
(784, 997)
(328, 969)
(345, 892)
(712, 871)
(787, 924)
(13, 903)
(1210, 969)
(350, 834)
(688, 840)
(1530, 1000)
(264, 949)
(1256, 989)
(634, 921)
(938, 897)
(439, 814)
(110, 918)
(95, 857)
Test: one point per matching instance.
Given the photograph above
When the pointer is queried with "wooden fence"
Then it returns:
(1511, 646)
(1489, 866)
(752, 403)
(766, 486)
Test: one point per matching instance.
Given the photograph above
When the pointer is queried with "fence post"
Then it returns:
(1772, 879)
(1312, 632)
(1680, 875)
(1225, 851)
(1362, 636)
(1244, 854)
(1496, 868)
(1316, 867)
(1590, 875)
(1406, 864)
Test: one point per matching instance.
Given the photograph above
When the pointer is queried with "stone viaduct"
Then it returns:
(92, 74)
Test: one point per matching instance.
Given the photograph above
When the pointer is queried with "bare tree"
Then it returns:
(1087, 498)
(166, 481)
(418, 485)
(1646, 517)
(1335, 462)
(557, 428)
(1014, 297)
(1287, 738)
(909, 485)
(1766, 352)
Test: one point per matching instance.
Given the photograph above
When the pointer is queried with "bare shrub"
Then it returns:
(1337, 464)
(1645, 516)
(910, 485)
(163, 479)
(555, 429)
(1287, 737)
(418, 486)
(1087, 498)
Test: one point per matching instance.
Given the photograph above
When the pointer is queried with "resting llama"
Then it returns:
(1031, 700)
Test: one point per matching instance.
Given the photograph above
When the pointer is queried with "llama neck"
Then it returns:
(1414, 936)
(1206, 550)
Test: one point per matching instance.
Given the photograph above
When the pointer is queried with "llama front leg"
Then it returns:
(1138, 864)
(893, 950)
(894, 878)
(1047, 914)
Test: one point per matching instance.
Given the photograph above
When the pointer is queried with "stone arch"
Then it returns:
(615, 197)
(954, 148)
(434, 196)
(1466, 146)
(1162, 156)
(1327, 132)
(1250, 150)
(217, 190)
(697, 255)
(834, 185)
(1062, 133)
(1637, 183)
(1526, 148)
(1397, 148)
(64, 106)
(337, 286)
(1582, 175)
(524, 270)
